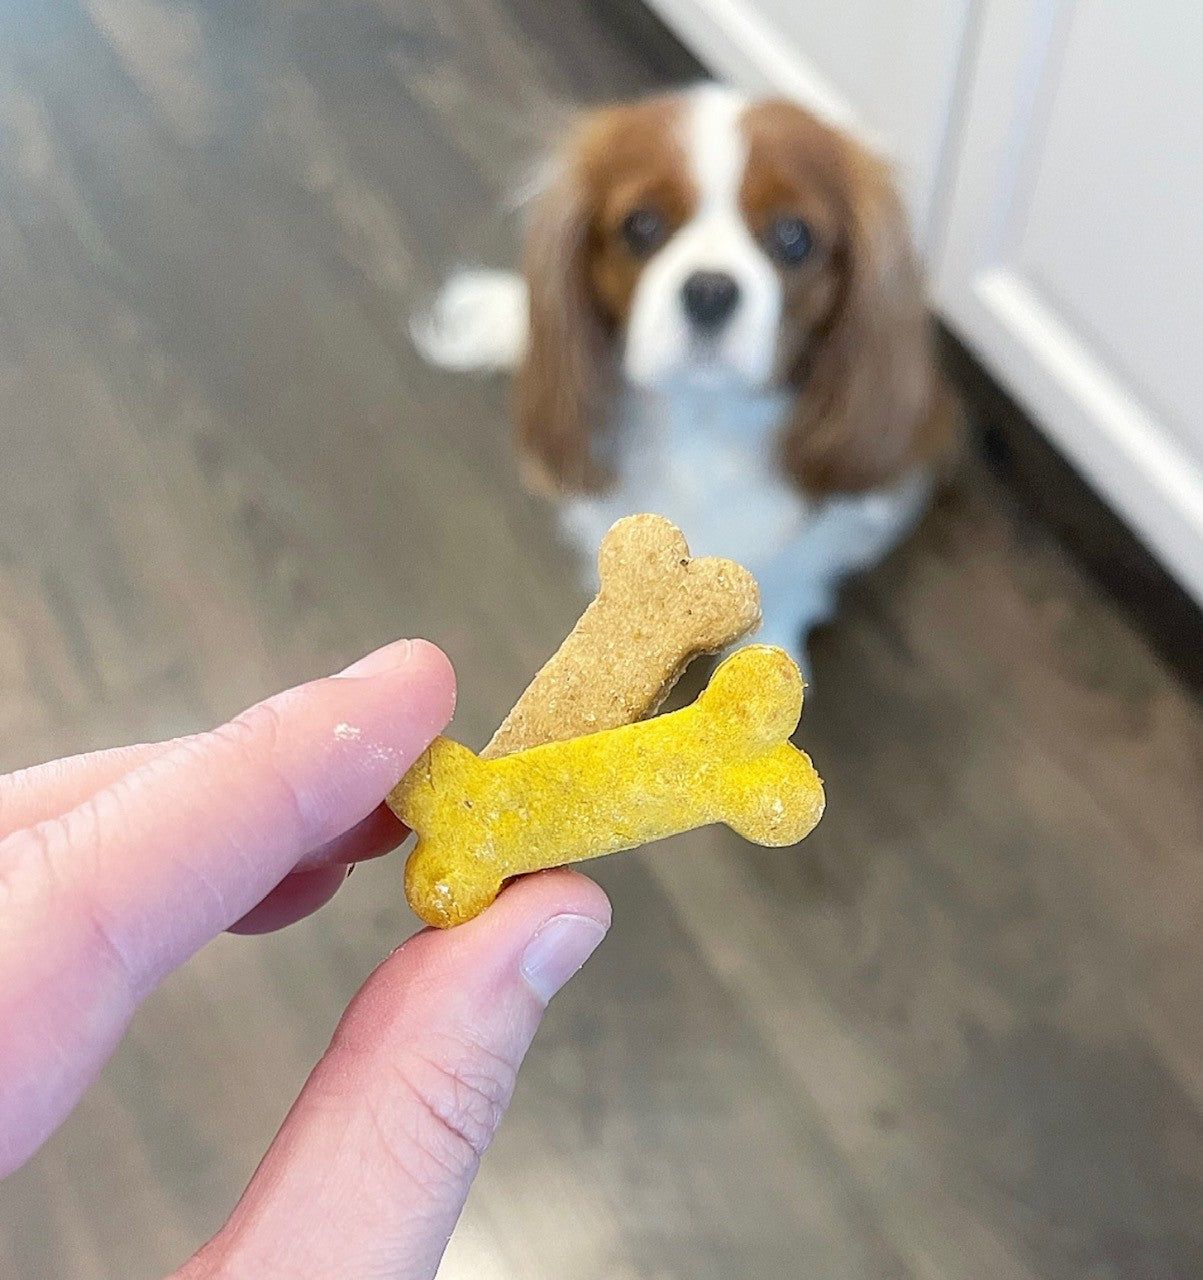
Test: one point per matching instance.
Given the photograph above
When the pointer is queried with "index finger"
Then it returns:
(103, 901)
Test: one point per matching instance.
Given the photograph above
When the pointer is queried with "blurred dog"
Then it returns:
(721, 319)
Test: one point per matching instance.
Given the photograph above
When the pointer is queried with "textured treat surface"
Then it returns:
(726, 758)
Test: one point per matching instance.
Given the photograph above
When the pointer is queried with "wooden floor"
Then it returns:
(958, 1035)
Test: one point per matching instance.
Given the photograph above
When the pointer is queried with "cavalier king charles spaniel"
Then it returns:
(721, 319)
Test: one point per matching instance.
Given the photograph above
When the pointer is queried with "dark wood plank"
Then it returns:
(956, 1034)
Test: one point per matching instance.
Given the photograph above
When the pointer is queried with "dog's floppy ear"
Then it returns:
(565, 383)
(871, 400)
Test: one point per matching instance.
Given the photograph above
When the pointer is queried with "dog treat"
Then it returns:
(657, 610)
(725, 758)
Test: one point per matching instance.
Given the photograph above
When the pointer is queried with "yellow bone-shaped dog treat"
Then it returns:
(656, 611)
(725, 758)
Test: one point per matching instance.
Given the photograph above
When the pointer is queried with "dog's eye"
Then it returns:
(644, 231)
(789, 240)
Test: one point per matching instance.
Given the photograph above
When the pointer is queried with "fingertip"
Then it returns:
(489, 948)
(418, 662)
(571, 915)
(524, 904)
(382, 661)
(358, 733)
(435, 670)
(555, 892)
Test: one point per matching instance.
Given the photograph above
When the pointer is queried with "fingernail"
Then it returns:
(380, 661)
(558, 950)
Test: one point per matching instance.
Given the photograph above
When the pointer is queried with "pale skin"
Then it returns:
(116, 867)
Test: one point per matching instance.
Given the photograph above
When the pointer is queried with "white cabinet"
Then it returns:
(1072, 260)
(1052, 155)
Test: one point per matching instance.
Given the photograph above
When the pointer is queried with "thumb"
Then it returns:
(372, 1166)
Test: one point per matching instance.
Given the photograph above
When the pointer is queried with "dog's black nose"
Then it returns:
(709, 298)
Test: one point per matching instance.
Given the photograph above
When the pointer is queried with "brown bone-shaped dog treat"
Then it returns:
(657, 610)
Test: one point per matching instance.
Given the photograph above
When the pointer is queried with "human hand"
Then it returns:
(115, 867)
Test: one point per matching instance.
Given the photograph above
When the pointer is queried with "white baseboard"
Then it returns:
(1111, 437)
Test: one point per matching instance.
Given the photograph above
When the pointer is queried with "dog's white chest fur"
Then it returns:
(709, 463)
